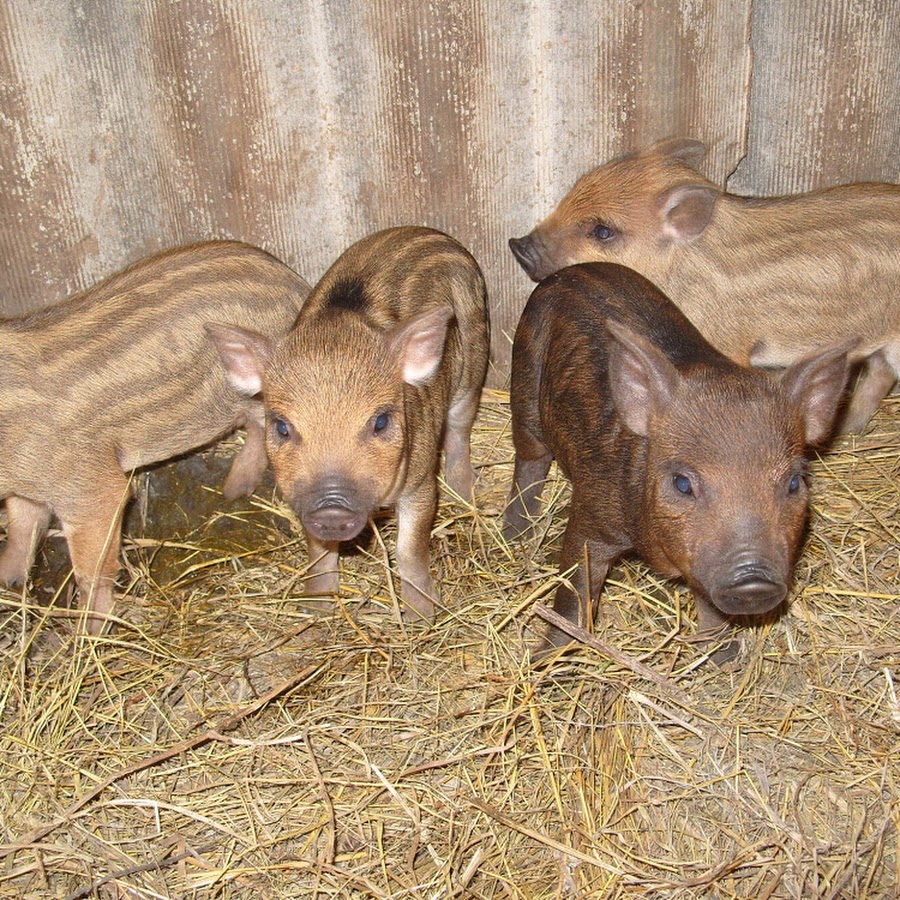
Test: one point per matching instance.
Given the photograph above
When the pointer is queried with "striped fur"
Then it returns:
(383, 369)
(121, 376)
(767, 281)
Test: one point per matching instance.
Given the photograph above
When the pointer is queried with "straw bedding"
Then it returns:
(232, 739)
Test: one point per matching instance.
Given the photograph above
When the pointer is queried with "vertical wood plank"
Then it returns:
(302, 125)
(825, 96)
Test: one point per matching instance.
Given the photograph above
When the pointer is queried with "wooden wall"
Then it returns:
(302, 125)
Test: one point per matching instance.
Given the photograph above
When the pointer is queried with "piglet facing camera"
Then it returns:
(120, 377)
(767, 281)
(673, 450)
(383, 369)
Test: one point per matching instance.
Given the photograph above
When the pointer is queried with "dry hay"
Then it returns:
(231, 740)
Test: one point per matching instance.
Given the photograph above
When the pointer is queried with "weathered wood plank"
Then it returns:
(825, 96)
(303, 125)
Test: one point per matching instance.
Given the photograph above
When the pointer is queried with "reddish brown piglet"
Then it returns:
(120, 377)
(766, 280)
(673, 450)
(384, 368)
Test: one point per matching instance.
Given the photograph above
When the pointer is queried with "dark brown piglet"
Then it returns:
(384, 368)
(120, 377)
(673, 450)
(766, 280)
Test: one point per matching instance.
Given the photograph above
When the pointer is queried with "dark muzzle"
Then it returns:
(524, 251)
(752, 591)
(334, 518)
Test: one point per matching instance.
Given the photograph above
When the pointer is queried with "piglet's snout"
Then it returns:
(335, 514)
(526, 253)
(748, 587)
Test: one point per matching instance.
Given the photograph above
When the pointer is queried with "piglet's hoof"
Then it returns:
(545, 652)
(417, 608)
(724, 646)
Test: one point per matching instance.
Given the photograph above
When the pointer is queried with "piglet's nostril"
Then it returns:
(752, 594)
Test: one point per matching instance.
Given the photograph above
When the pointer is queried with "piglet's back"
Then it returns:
(577, 300)
(127, 363)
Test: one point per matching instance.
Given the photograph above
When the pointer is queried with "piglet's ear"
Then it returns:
(685, 210)
(816, 385)
(244, 354)
(418, 344)
(641, 378)
(685, 149)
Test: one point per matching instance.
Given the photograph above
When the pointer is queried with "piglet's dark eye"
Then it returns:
(682, 484)
(382, 420)
(794, 484)
(602, 232)
(281, 427)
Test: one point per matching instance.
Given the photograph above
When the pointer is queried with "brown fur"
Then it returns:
(384, 367)
(611, 380)
(119, 377)
(767, 281)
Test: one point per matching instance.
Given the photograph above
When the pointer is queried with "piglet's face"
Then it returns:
(725, 496)
(633, 210)
(337, 434)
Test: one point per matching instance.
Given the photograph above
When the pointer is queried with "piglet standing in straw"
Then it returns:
(766, 280)
(382, 370)
(120, 377)
(673, 450)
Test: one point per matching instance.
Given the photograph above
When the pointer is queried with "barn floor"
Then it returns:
(230, 739)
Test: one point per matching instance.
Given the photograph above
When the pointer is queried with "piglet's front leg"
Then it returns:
(588, 560)
(415, 514)
(94, 537)
(323, 574)
(250, 463)
(715, 627)
(27, 523)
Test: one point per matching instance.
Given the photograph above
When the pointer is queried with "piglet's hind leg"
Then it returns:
(415, 516)
(457, 445)
(523, 505)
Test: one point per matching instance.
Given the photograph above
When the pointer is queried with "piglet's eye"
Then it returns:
(602, 232)
(682, 484)
(382, 420)
(281, 427)
(794, 484)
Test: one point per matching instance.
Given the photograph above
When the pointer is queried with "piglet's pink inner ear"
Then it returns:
(686, 210)
(244, 354)
(419, 344)
(641, 379)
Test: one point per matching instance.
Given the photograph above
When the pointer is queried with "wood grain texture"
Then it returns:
(824, 97)
(302, 125)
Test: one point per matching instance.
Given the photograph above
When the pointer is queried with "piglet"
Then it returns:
(673, 450)
(119, 377)
(383, 368)
(766, 280)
